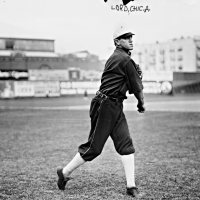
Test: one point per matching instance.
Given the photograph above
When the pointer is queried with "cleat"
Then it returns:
(133, 191)
(62, 181)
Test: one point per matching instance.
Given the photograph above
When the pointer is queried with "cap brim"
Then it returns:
(126, 35)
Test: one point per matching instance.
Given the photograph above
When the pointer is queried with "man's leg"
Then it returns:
(124, 146)
(76, 162)
(129, 168)
(64, 173)
(101, 126)
(103, 117)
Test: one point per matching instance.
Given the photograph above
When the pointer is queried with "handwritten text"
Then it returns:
(130, 9)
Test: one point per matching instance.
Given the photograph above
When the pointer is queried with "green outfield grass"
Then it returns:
(33, 143)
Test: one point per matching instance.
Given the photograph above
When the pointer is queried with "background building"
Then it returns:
(31, 68)
(35, 59)
(23, 54)
(174, 65)
(177, 55)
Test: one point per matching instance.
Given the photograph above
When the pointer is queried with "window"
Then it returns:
(180, 58)
(198, 55)
(162, 59)
(198, 63)
(140, 57)
(172, 58)
(9, 44)
(198, 45)
(180, 67)
(162, 51)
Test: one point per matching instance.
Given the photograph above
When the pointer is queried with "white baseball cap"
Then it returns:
(120, 31)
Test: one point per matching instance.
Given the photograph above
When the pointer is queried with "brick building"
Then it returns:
(24, 54)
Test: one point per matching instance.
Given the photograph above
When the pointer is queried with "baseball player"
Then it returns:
(120, 75)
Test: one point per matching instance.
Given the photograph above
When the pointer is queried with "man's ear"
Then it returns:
(116, 41)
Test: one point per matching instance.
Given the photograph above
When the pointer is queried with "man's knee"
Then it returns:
(96, 152)
(90, 154)
(126, 151)
(125, 147)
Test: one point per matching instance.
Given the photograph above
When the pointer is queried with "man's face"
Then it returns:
(126, 42)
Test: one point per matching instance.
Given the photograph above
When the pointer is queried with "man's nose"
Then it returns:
(130, 39)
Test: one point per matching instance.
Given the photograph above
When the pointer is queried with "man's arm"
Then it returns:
(140, 98)
(135, 85)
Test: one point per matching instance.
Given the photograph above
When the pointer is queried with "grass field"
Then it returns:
(33, 143)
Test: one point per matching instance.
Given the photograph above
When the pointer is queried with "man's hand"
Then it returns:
(141, 108)
(140, 98)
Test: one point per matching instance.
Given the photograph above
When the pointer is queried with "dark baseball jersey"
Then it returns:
(120, 75)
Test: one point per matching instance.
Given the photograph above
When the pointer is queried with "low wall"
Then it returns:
(17, 89)
(186, 82)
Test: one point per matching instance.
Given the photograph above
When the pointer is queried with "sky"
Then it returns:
(78, 25)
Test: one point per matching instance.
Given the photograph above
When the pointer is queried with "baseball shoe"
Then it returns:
(133, 191)
(62, 181)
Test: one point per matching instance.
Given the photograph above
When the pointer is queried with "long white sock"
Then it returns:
(76, 162)
(129, 167)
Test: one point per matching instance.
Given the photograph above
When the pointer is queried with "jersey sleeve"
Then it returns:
(134, 81)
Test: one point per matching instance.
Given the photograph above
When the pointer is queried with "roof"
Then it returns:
(28, 53)
(5, 53)
(39, 54)
(35, 39)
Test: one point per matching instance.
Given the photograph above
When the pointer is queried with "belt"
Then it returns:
(100, 94)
